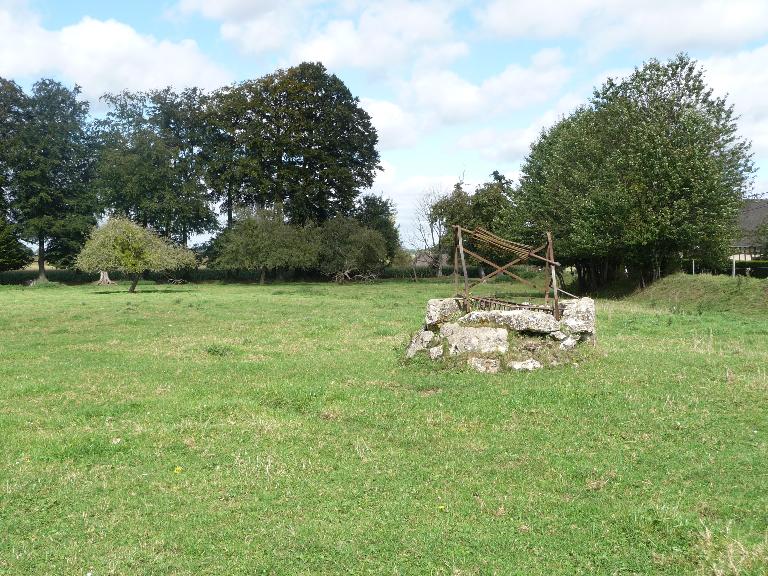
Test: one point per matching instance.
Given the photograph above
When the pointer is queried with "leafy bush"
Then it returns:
(347, 248)
(263, 241)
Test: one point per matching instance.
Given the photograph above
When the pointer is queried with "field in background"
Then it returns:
(243, 429)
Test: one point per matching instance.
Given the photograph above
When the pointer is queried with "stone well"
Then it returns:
(495, 340)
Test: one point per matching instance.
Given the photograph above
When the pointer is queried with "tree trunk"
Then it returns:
(229, 206)
(135, 281)
(262, 276)
(104, 279)
(41, 277)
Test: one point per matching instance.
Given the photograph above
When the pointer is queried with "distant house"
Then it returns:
(424, 259)
(753, 215)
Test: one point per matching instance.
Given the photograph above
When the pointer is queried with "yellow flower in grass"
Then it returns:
(178, 470)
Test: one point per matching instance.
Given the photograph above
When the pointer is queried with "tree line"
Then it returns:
(294, 143)
(650, 171)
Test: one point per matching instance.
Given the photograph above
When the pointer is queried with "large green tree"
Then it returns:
(650, 169)
(46, 161)
(324, 143)
(152, 163)
(13, 254)
(236, 147)
(13, 114)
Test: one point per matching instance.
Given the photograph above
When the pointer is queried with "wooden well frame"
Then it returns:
(520, 253)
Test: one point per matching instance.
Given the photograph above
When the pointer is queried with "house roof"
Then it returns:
(753, 214)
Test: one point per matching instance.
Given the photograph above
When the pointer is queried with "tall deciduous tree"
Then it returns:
(651, 169)
(13, 254)
(322, 144)
(152, 161)
(13, 110)
(46, 163)
(430, 231)
(235, 148)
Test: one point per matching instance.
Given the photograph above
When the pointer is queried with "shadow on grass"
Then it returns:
(144, 291)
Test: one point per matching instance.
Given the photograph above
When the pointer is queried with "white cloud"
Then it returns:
(449, 98)
(444, 94)
(385, 34)
(366, 35)
(100, 56)
(435, 99)
(511, 146)
(396, 127)
(270, 32)
(744, 78)
(226, 9)
(654, 24)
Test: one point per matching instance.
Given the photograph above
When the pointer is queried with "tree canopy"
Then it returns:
(651, 169)
(295, 141)
(296, 137)
(152, 164)
(46, 159)
(120, 245)
(13, 254)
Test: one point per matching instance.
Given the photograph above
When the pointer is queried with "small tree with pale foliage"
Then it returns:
(122, 246)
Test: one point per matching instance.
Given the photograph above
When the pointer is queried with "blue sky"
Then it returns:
(456, 89)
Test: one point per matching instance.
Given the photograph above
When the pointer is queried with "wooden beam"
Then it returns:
(503, 268)
(507, 272)
(492, 239)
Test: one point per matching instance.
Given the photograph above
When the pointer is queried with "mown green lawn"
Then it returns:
(242, 429)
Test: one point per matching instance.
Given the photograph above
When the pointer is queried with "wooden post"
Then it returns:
(455, 261)
(549, 255)
(464, 269)
(693, 267)
(553, 273)
(733, 267)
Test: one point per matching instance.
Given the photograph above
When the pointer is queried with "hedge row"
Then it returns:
(757, 268)
(405, 272)
(197, 275)
(64, 276)
(210, 275)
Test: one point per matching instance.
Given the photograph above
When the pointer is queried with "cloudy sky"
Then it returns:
(456, 88)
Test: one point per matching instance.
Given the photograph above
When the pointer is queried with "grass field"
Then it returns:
(242, 429)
